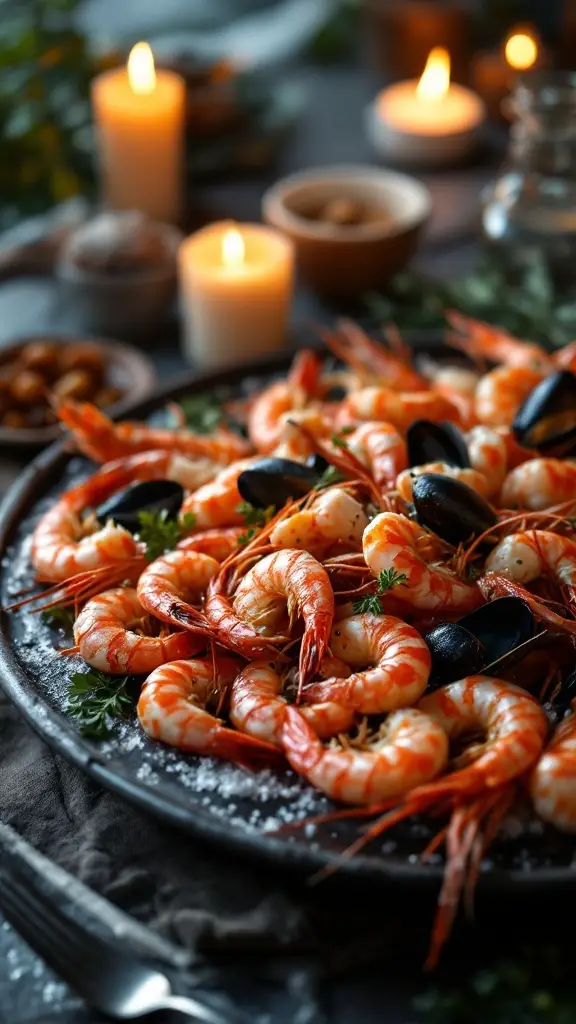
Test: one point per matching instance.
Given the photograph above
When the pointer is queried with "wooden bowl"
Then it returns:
(127, 369)
(345, 261)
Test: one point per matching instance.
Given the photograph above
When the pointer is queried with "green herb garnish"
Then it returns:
(255, 519)
(339, 441)
(386, 580)
(523, 300)
(59, 616)
(160, 534)
(96, 699)
(203, 413)
(331, 475)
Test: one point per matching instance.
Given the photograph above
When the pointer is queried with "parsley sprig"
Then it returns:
(330, 476)
(255, 519)
(385, 581)
(60, 616)
(203, 413)
(160, 533)
(95, 700)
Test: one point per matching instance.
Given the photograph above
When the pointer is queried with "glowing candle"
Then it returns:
(493, 70)
(139, 114)
(236, 287)
(428, 121)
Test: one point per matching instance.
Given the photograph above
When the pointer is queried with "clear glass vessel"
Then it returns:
(532, 203)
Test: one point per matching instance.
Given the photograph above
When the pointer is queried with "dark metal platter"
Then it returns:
(200, 795)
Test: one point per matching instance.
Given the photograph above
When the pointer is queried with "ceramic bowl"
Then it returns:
(121, 304)
(345, 261)
(126, 369)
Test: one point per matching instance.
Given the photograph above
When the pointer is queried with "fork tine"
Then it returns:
(61, 942)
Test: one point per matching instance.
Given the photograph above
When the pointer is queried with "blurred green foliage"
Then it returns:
(45, 72)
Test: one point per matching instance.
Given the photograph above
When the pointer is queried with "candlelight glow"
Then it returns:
(233, 248)
(521, 51)
(435, 80)
(141, 73)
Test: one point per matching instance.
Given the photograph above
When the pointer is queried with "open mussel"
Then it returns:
(436, 442)
(450, 508)
(546, 421)
(150, 496)
(271, 481)
(487, 638)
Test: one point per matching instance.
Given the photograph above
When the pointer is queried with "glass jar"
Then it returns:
(532, 204)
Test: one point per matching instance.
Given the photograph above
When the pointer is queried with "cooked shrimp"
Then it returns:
(216, 503)
(101, 439)
(257, 707)
(302, 384)
(381, 449)
(497, 345)
(172, 708)
(488, 455)
(393, 542)
(409, 748)
(458, 385)
(335, 516)
(553, 781)
(282, 587)
(370, 359)
(471, 477)
(525, 556)
(399, 657)
(114, 634)
(219, 543)
(539, 483)
(64, 544)
(514, 726)
(295, 443)
(170, 585)
(501, 392)
(397, 408)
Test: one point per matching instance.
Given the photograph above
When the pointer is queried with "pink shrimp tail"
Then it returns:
(495, 584)
(245, 751)
(305, 373)
(314, 647)
(93, 431)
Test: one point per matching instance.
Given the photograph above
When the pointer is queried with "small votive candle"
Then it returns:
(236, 288)
(430, 121)
(139, 114)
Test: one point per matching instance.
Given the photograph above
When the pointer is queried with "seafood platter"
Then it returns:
(323, 611)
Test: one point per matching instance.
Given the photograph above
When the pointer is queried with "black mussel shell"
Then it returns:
(150, 496)
(318, 463)
(490, 636)
(500, 626)
(456, 653)
(560, 703)
(436, 442)
(274, 481)
(450, 508)
(547, 419)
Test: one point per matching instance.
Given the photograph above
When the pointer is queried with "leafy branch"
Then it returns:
(95, 700)
(159, 533)
(386, 580)
(527, 303)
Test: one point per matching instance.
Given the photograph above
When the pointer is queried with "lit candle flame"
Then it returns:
(521, 50)
(233, 248)
(435, 80)
(141, 73)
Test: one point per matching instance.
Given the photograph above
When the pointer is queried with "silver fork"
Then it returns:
(107, 978)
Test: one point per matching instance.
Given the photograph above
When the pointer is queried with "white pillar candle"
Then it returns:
(430, 121)
(139, 114)
(236, 288)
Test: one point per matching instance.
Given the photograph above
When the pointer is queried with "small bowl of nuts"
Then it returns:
(353, 228)
(36, 371)
(118, 272)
